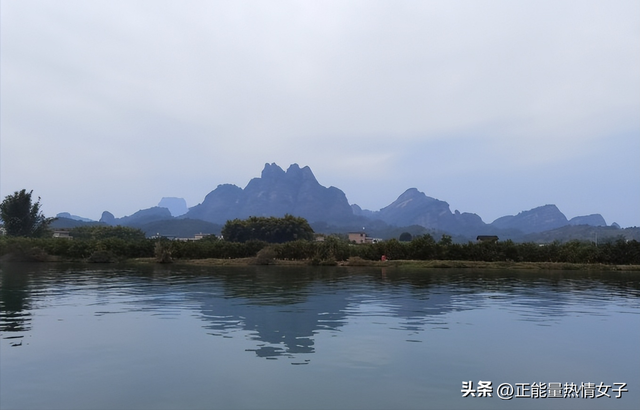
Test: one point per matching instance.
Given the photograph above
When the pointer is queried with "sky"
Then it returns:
(495, 107)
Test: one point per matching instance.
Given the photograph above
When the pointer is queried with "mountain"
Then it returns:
(62, 222)
(145, 216)
(137, 219)
(108, 218)
(593, 220)
(67, 215)
(599, 234)
(355, 208)
(415, 208)
(276, 193)
(539, 219)
(296, 191)
(218, 206)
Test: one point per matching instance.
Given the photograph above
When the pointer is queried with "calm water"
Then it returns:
(328, 338)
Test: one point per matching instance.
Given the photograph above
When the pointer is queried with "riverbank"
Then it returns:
(413, 264)
(351, 262)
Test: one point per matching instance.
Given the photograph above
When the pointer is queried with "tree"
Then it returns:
(405, 237)
(21, 217)
(423, 247)
(446, 240)
(271, 229)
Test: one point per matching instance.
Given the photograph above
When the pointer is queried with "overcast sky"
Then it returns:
(493, 106)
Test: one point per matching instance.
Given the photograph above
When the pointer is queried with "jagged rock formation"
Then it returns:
(177, 206)
(276, 193)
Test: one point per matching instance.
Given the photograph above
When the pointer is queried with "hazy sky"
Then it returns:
(493, 106)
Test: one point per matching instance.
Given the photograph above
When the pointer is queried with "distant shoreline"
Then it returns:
(417, 264)
(352, 262)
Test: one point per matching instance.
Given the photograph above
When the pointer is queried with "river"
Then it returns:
(186, 337)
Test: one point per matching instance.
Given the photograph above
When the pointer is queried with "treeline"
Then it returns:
(99, 247)
(619, 252)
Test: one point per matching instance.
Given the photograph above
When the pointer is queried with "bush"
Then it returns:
(266, 256)
(162, 252)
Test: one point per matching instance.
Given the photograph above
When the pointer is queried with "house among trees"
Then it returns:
(361, 237)
(62, 234)
(357, 237)
(487, 238)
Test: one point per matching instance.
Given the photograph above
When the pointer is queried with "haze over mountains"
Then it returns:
(296, 191)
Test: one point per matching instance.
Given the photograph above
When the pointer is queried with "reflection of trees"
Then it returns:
(14, 299)
(284, 308)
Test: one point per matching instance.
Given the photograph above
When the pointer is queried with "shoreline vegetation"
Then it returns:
(411, 264)
(290, 241)
(334, 252)
(355, 262)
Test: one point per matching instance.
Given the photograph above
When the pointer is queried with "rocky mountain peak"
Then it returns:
(410, 194)
(272, 172)
(276, 193)
(415, 208)
(301, 174)
(410, 198)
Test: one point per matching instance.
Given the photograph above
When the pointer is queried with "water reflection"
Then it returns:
(15, 306)
(284, 328)
(282, 310)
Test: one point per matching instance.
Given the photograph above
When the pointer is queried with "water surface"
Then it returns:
(157, 337)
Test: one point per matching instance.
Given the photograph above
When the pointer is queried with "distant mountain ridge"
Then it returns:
(276, 193)
(296, 191)
(415, 208)
(67, 215)
(538, 219)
